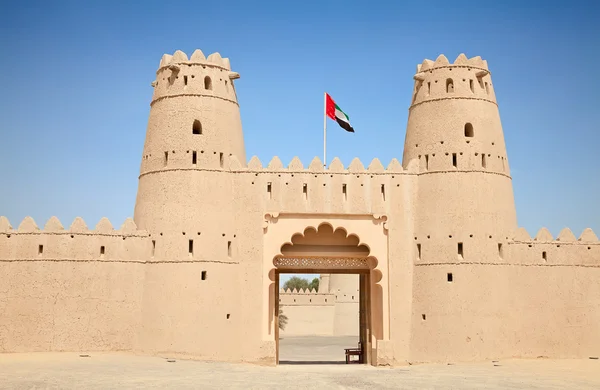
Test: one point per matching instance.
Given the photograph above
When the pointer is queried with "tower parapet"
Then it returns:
(463, 79)
(197, 76)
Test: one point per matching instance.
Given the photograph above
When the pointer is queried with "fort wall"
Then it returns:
(526, 298)
(329, 312)
(71, 289)
(309, 313)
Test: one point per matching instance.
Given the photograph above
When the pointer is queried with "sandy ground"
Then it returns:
(295, 350)
(126, 371)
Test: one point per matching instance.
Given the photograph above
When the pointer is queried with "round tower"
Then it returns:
(193, 128)
(465, 189)
(185, 201)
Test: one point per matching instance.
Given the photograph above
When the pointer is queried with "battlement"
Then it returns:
(304, 297)
(564, 250)
(565, 236)
(78, 243)
(461, 61)
(196, 76)
(428, 162)
(78, 226)
(463, 79)
(544, 249)
(210, 160)
(316, 166)
(197, 58)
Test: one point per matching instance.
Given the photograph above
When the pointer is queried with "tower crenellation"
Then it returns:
(198, 75)
(463, 79)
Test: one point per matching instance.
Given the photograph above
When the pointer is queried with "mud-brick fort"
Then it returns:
(445, 274)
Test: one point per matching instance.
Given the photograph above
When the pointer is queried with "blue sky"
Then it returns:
(75, 91)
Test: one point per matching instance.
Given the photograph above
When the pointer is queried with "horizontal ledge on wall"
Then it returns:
(120, 261)
(508, 264)
(267, 171)
(192, 95)
(452, 98)
(465, 171)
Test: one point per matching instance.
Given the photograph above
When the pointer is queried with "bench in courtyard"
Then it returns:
(354, 352)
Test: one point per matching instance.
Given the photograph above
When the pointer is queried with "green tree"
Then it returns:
(296, 282)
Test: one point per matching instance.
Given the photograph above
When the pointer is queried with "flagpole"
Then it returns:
(325, 129)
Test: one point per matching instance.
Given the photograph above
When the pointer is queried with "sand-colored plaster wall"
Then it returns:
(528, 298)
(70, 289)
(309, 313)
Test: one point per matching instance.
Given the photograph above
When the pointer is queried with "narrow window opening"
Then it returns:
(203, 275)
(428, 88)
(221, 161)
(40, 250)
(487, 88)
(480, 81)
(469, 132)
(102, 252)
(500, 251)
(228, 315)
(460, 250)
(449, 277)
(483, 162)
(305, 190)
(426, 162)
(269, 190)
(344, 191)
(153, 247)
(229, 248)
(194, 157)
(383, 192)
(207, 83)
(226, 86)
(503, 167)
(418, 251)
(454, 162)
(197, 127)
(424, 317)
(166, 158)
(544, 256)
(185, 78)
(471, 86)
(191, 247)
(449, 86)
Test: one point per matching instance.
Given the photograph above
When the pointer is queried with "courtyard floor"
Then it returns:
(126, 371)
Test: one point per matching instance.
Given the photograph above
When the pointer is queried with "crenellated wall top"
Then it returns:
(565, 236)
(295, 291)
(316, 166)
(461, 60)
(197, 58)
(78, 226)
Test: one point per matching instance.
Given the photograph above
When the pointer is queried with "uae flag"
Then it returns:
(333, 111)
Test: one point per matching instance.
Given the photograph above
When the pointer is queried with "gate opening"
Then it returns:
(336, 323)
(319, 319)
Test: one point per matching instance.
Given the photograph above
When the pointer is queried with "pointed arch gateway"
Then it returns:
(331, 247)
